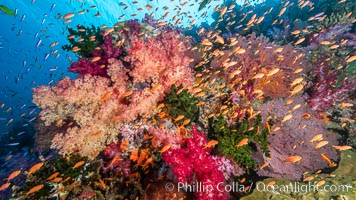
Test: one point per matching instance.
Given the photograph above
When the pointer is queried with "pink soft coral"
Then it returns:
(195, 159)
(165, 137)
(99, 102)
(161, 59)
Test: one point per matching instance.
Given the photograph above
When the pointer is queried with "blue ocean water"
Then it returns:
(25, 65)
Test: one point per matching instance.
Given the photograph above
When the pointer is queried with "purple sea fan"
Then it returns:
(294, 139)
(336, 32)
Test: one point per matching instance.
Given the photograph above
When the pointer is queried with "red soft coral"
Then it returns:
(195, 159)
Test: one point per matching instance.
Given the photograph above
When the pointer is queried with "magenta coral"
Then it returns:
(87, 66)
(114, 162)
(195, 160)
(324, 94)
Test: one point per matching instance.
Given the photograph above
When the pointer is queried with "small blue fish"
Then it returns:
(32, 119)
(31, 111)
(48, 157)
(46, 56)
(52, 7)
(20, 133)
(13, 144)
(38, 43)
(19, 32)
(53, 69)
(23, 18)
(237, 27)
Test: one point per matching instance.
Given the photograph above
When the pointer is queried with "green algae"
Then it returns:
(87, 45)
(181, 104)
(230, 135)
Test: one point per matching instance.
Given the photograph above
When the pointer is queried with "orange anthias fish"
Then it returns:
(320, 183)
(268, 127)
(321, 144)
(54, 175)
(242, 142)
(69, 15)
(324, 157)
(317, 138)
(34, 189)
(4, 186)
(308, 178)
(102, 183)
(35, 168)
(13, 175)
(211, 143)
(165, 148)
(342, 148)
(106, 96)
(78, 164)
(293, 159)
(264, 165)
(179, 117)
(296, 89)
(286, 118)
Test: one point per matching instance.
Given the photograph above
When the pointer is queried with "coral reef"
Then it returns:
(195, 160)
(94, 107)
(152, 106)
(302, 136)
(255, 60)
